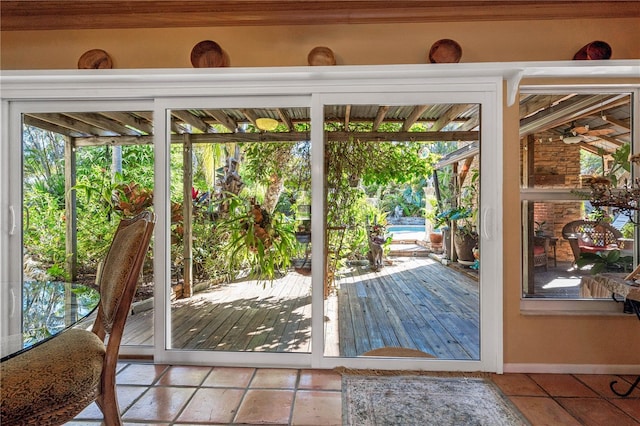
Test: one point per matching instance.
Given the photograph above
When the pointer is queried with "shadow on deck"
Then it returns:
(414, 303)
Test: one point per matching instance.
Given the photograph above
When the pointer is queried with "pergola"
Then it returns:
(595, 122)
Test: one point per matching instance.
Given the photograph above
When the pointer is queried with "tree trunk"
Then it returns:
(275, 188)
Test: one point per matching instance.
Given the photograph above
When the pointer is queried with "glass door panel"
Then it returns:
(402, 245)
(83, 171)
(240, 185)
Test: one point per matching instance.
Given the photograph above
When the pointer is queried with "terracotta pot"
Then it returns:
(435, 238)
(464, 244)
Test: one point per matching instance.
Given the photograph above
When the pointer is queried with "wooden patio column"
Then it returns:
(187, 210)
(71, 240)
(529, 182)
(71, 235)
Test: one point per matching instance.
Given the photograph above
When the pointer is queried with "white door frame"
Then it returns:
(320, 83)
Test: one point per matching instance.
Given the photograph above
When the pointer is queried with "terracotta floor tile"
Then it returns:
(161, 394)
(600, 383)
(543, 411)
(624, 385)
(212, 405)
(596, 412)
(517, 384)
(126, 396)
(159, 404)
(227, 377)
(183, 376)
(139, 374)
(313, 407)
(274, 378)
(265, 406)
(320, 380)
(562, 385)
(629, 405)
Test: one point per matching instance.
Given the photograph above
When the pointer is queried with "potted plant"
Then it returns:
(539, 231)
(605, 261)
(465, 237)
(435, 233)
(463, 221)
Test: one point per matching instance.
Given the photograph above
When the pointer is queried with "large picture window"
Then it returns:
(575, 147)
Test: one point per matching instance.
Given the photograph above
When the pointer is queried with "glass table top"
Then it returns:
(48, 307)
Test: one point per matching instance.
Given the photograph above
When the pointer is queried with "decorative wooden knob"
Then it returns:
(445, 51)
(595, 50)
(319, 56)
(209, 54)
(95, 59)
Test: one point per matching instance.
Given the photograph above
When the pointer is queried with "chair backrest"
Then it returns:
(119, 275)
(591, 232)
(581, 233)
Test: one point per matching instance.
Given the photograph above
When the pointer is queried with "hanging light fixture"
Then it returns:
(572, 139)
(266, 123)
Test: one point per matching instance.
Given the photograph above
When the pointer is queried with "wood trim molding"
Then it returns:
(21, 15)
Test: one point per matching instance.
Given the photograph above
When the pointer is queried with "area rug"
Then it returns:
(425, 400)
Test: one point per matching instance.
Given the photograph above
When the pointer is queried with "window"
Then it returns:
(569, 140)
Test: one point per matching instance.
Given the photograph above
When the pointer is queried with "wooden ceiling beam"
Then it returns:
(530, 106)
(71, 123)
(109, 125)
(285, 137)
(347, 117)
(130, 120)
(418, 110)
(285, 118)
(382, 112)
(45, 125)
(619, 123)
(447, 117)
(251, 116)
(404, 136)
(568, 111)
(223, 119)
(190, 119)
(25, 15)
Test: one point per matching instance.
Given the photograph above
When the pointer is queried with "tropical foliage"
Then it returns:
(244, 201)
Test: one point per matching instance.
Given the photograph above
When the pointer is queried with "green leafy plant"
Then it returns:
(619, 164)
(257, 242)
(605, 261)
(58, 273)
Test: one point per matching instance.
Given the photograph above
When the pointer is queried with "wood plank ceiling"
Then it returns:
(24, 15)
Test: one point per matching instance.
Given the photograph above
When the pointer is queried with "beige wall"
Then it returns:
(352, 44)
(528, 339)
(544, 339)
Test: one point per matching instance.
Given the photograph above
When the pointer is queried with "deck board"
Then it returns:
(414, 303)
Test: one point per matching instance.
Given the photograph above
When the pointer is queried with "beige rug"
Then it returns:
(425, 400)
(394, 352)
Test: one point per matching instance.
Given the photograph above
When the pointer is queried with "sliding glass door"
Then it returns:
(302, 227)
(83, 168)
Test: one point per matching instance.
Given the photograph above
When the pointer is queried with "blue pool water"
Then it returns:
(398, 229)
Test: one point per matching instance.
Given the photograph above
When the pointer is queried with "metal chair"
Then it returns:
(52, 382)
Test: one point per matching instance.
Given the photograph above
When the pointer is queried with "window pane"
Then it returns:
(575, 167)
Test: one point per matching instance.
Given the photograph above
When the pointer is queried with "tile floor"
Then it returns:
(187, 395)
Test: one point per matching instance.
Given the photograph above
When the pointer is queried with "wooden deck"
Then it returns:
(414, 303)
